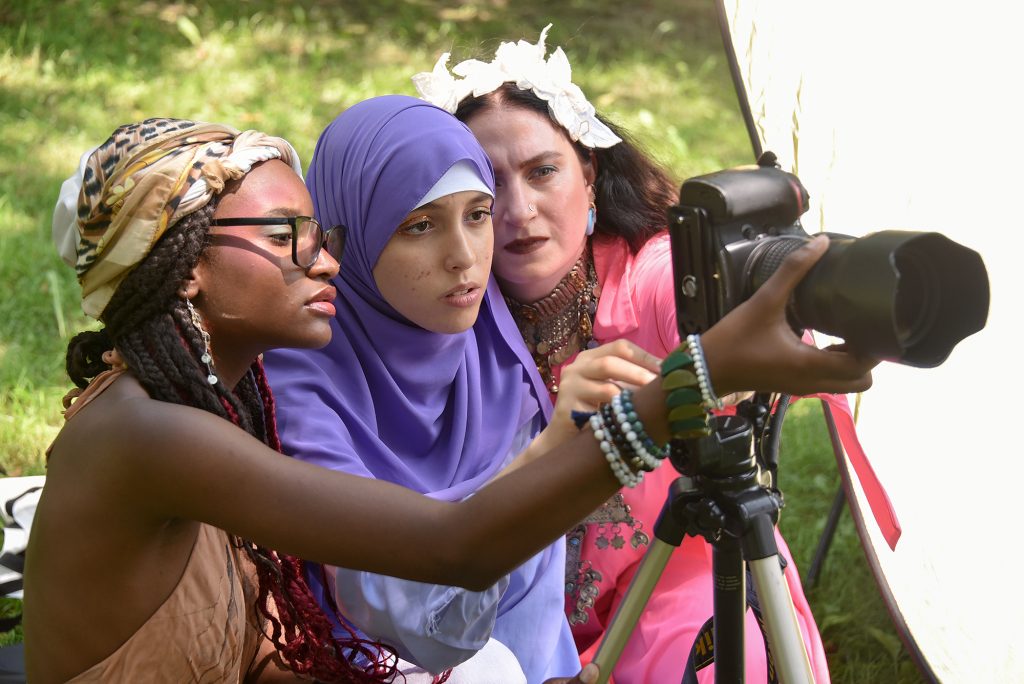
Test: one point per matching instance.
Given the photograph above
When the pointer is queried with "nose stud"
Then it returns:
(532, 207)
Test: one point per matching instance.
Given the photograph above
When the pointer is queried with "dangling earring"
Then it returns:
(206, 358)
(592, 212)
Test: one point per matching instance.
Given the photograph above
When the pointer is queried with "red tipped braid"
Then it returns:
(269, 408)
(301, 630)
(230, 410)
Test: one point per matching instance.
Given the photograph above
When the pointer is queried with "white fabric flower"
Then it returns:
(438, 87)
(521, 63)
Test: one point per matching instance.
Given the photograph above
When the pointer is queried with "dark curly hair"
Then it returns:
(633, 193)
(149, 325)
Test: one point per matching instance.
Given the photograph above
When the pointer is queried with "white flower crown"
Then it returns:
(521, 63)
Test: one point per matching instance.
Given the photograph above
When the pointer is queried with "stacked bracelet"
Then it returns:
(618, 438)
(681, 382)
(707, 392)
(622, 472)
(633, 428)
(626, 446)
(617, 426)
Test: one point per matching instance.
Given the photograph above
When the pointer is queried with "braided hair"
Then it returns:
(632, 192)
(151, 327)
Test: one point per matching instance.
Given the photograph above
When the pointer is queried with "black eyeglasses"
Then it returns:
(308, 237)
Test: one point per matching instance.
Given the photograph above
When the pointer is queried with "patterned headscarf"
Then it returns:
(147, 176)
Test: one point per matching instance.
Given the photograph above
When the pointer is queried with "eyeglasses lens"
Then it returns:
(309, 238)
(336, 242)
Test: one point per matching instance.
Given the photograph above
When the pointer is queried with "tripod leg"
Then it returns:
(628, 612)
(730, 601)
(777, 610)
(838, 504)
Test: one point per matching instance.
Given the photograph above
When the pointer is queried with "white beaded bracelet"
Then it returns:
(700, 369)
(622, 472)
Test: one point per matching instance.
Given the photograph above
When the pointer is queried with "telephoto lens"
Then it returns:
(903, 296)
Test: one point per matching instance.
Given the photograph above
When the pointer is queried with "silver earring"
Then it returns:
(206, 358)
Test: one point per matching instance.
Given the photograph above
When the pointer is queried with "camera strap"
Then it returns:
(702, 653)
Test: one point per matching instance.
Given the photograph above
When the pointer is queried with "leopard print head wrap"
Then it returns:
(128, 191)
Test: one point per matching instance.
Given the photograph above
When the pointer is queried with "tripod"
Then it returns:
(724, 496)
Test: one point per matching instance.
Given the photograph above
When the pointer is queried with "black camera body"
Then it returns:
(903, 296)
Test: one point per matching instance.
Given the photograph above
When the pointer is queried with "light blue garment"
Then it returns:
(545, 647)
(493, 664)
(431, 625)
(438, 627)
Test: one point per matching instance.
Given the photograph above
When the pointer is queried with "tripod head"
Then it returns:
(723, 488)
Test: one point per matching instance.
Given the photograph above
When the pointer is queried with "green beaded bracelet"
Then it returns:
(687, 418)
(686, 411)
(683, 395)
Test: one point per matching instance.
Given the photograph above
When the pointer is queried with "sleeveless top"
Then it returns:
(207, 629)
(204, 632)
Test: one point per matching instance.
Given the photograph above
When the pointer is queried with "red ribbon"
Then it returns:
(878, 499)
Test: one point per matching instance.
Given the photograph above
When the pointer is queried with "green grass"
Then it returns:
(9, 608)
(71, 71)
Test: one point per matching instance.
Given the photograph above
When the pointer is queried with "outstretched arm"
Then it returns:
(197, 466)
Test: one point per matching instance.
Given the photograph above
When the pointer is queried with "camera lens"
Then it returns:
(915, 306)
(768, 256)
(899, 295)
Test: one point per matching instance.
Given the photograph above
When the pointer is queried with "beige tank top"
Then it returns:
(206, 630)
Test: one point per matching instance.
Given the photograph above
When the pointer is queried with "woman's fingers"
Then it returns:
(616, 370)
(842, 372)
(597, 375)
(809, 370)
(621, 349)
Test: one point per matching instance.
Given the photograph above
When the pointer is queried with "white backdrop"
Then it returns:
(906, 114)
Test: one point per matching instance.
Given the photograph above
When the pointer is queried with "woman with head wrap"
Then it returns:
(165, 544)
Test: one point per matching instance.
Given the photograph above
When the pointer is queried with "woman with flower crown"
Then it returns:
(582, 257)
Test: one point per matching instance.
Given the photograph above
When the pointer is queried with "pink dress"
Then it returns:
(605, 553)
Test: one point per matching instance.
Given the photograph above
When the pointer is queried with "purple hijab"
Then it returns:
(437, 413)
(386, 398)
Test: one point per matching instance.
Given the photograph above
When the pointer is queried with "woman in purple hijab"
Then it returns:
(438, 412)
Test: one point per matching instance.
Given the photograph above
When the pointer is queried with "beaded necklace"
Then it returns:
(562, 323)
